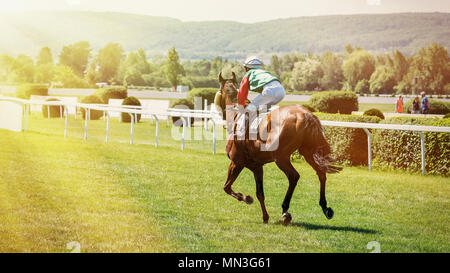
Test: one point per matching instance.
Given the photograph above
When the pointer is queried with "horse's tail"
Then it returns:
(321, 151)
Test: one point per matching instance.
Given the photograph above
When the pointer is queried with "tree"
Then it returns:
(66, 76)
(44, 73)
(382, 80)
(108, 61)
(45, 56)
(359, 66)
(173, 68)
(306, 75)
(6, 65)
(332, 71)
(22, 70)
(76, 56)
(430, 70)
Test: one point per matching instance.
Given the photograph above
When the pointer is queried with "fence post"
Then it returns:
(66, 122)
(422, 150)
(132, 127)
(369, 148)
(206, 119)
(183, 134)
(157, 129)
(107, 126)
(86, 118)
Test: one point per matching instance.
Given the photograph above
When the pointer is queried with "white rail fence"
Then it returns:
(186, 115)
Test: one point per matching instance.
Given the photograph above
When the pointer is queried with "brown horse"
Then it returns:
(291, 128)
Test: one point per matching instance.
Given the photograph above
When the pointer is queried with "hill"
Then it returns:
(28, 32)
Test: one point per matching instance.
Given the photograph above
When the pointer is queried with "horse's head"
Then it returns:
(228, 91)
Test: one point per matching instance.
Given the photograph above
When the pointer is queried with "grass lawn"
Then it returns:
(118, 197)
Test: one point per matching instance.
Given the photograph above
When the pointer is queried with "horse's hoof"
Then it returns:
(329, 213)
(287, 218)
(248, 199)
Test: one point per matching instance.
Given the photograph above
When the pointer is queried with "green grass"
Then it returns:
(118, 197)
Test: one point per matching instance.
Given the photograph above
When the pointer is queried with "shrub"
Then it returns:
(374, 113)
(55, 111)
(343, 102)
(401, 149)
(92, 99)
(24, 91)
(447, 115)
(349, 145)
(115, 92)
(437, 107)
(204, 93)
(181, 104)
(130, 101)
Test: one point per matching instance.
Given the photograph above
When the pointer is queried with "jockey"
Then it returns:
(259, 80)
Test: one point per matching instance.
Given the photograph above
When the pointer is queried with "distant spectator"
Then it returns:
(415, 106)
(399, 105)
(425, 103)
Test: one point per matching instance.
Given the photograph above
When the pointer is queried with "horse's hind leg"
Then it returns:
(258, 174)
(329, 213)
(293, 177)
(233, 172)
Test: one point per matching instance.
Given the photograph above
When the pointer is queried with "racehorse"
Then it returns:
(292, 128)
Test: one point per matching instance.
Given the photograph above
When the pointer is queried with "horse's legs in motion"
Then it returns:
(258, 174)
(293, 177)
(233, 172)
(323, 180)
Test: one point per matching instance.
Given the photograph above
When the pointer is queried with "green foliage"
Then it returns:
(306, 75)
(349, 145)
(114, 92)
(94, 114)
(358, 66)
(65, 76)
(382, 80)
(374, 113)
(343, 102)
(76, 56)
(401, 149)
(437, 107)
(205, 93)
(108, 61)
(24, 91)
(181, 104)
(130, 101)
(362, 87)
(172, 68)
(55, 111)
(45, 56)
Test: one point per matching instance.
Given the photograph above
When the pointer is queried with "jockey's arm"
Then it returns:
(243, 92)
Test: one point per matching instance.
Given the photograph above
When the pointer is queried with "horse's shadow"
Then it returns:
(327, 227)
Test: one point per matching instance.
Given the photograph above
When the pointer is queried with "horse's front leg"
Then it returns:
(258, 174)
(233, 172)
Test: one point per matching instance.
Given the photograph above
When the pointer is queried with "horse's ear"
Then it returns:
(234, 77)
(221, 80)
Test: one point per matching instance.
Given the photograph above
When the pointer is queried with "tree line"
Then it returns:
(355, 69)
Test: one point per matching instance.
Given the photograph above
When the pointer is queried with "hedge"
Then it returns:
(181, 104)
(115, 92)
(24, 91)
(374, 113)
(92, 99)
(349, 145)
(401, 149)
(55, 111)
(437, 107)
(130, 101)
(204, 93)
(343, 102)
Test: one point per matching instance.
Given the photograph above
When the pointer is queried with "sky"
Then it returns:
(247, 11)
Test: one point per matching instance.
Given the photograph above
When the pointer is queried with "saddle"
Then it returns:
(247, 127)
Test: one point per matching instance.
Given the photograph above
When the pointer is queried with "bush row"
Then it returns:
(24, 91)
(343, 102)
(401, 149)
(391, 149)
(437, 107)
